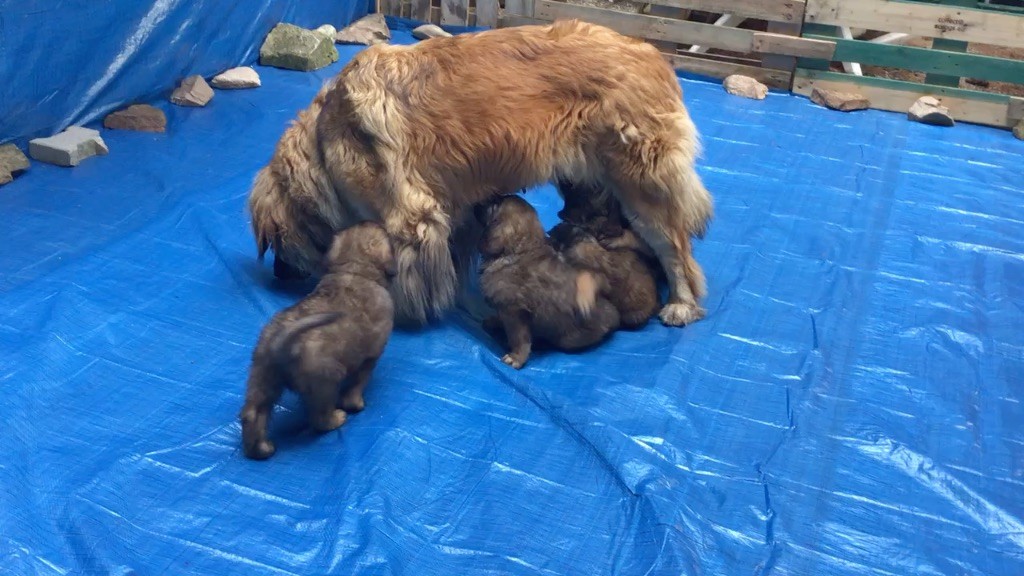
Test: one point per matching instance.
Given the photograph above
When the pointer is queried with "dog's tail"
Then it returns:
(282, 346)
(586, 292)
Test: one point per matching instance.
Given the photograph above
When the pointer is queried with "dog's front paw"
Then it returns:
(513, 361)
(681, 314)
(353, 405)
(331, 421)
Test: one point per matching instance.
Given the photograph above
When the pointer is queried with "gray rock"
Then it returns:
(12, 163)
(295, 48)
(327, 30)
(142, 117)
(1018, 130)
(69, 147)
(928, 110)
(241, 77)
(842, 101)
(429, 31)
(745, 86)
(368, 30)
(193, 91)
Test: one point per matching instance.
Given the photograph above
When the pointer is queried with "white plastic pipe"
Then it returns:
(723, 20)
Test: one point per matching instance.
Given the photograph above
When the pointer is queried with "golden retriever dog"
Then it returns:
(414, 136)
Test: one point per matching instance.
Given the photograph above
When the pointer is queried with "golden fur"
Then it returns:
(414, 136)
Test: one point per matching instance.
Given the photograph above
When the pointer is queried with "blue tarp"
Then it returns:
(850, 406)
(65, 62)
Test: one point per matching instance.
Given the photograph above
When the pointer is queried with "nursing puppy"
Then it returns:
(632, 288)
(326, 346)
(414, 136)
(537, 295)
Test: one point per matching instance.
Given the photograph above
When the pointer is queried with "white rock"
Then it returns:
(327, 30)
(241, 77)
(745, 86)
(928, 110)
(69, 147)
(429, 31)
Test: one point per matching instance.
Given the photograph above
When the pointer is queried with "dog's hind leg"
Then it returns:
(263, 392)
(321, 398)
(666, 204)
(352, 400)
(517, 331)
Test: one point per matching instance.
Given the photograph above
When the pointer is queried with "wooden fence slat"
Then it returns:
(967, 24)
(487, 13)
(1016, 109)
(420, 10)
(506, 20)
(775, 10)
(930, 61)
(455, 12)
(718, 69)
(766, 42)
(654, 28)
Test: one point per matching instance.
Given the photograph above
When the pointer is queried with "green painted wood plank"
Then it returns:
(939, 91)
(942, 44)
(927, 60)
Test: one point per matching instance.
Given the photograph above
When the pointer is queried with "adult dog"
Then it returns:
(415, 136)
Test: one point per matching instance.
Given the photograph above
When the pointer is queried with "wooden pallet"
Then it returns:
(952, 23)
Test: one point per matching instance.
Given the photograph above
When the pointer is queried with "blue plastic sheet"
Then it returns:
(850, 406)
(71, 61)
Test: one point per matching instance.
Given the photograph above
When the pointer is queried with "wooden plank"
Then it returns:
(774, 10)
(775, 61)
(1016, 109)
(487, 13)
(654, 28)
(506, 20)
(716, 69)
(930, 61)
(965, 24)
(766, 42)
(420, 10)
(897, 96)
(944, 44)
(520, 7)
(390, 7)
(455, 12)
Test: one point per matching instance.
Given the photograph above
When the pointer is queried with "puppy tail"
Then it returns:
(586, 293)
(282, 347)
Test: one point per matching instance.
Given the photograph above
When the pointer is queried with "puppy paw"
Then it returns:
(260, 450)
(681, 314)
(353, 405)
(513, 361)
(330, 422)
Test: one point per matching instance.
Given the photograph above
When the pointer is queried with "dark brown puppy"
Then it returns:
(537, 294)
(632, 288)
(326, 346)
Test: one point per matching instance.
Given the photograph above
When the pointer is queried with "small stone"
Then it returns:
(241, 77)
(12, 163)
(69, 147)
(327, 30)
(1018, 130)
(294, 48)
(368, 30)
(429, 31)
(928, 110)
(745, 86)
(842, 101)
(141, 117)
(193, 91)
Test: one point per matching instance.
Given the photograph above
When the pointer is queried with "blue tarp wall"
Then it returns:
(66, 62)
(851, 406)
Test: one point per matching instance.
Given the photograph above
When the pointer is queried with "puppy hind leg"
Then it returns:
(352, 400)
(263, 392)
(321, 400)
(517, 331)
